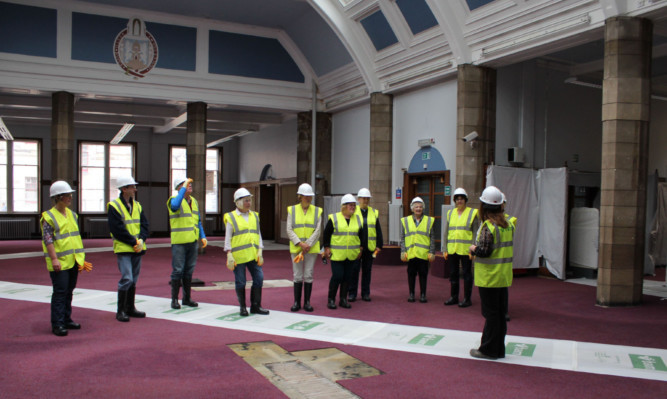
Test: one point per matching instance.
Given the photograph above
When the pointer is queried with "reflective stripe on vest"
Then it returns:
(511, 219)
(417, 238)
(345, 241)
(304, 226)
(245, 237)
(132, 224)
(459, 233)
(496, 270)
(67, 239)
(371, 225)
(184, 224)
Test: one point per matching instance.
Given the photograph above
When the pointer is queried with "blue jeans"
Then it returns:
(183, 260)
(255, 271)
(64, 283)
(129, 265)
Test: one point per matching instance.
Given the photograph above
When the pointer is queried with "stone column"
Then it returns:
(382, 127)
(626, 95)
(63, 151)
(322, 150)
(476, 112)
(196, 154)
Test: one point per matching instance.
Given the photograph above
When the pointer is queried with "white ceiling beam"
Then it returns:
(244, 116)
(451, 16)
(172, 123)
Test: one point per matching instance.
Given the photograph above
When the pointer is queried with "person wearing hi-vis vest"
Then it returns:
(63, 252)
(460, 225)
(129, 229)
(417, 237)
(186, 232)
(243, 244)
(371, 244)
(342, 244)
(304, 221)
(493, 251)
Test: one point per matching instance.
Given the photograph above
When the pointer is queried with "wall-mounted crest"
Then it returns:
(135, 49)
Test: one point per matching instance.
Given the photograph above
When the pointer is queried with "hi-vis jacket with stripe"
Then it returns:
(67, 239)
(496, 270)
(132, 224)
(417, 238)
(459, 230)
(371, 226)
(304, 226)
(245, 236)
(345, 241)
(184, 223)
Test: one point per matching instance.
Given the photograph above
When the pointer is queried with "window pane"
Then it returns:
(121, 156)
(178, 158)
(92, 191)
(3, 187)
(424, 185)
(24, 153)
(427, 205)
(92, 155)
(211, 192)
(3, 152)
(25, 188)
(212, 160)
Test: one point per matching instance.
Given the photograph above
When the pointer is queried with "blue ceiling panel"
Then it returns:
(379, 31)
(474, 4)
(177, 46)
(417, 14)
(93, 37)
(251, 56)
(28, 30)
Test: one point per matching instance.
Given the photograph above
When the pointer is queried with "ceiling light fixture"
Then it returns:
(4, 132)
(122, 133)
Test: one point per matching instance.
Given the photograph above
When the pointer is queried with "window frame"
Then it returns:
(10, 177)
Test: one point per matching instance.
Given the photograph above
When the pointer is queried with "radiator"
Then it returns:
(395, 213)
(97, 228)
(15, 229)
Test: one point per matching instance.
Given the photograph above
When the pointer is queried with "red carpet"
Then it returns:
(153, 358)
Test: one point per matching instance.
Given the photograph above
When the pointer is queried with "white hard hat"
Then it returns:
(491, 196)
(347, 198)
(416, 199)
(60, 187)
(179, 181)
(504, 197)
(460, 191)
(241, 193)
(305, 189)
(125, 181)
(364, 193)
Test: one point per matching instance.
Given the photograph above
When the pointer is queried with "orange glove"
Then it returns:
(404, 256)
(298, 258)
(87, 266)
(260, 258)
(431, 257)
(204, 242)
(187, 182)
(375, 254)
(446, 255)
(139, 246)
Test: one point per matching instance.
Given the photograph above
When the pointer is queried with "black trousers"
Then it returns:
(495, 327)
(417, 266)
(64, 283)
(341, 272)
(364, 266)
(466, 265)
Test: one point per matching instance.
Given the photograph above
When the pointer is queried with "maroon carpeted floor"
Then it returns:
(156, 358)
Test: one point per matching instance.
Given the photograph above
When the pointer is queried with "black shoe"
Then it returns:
(131, 310)
(422, 298)
(307, 290)
(243, 311)
(256, 301)
(121, 314)
(351, 298)
(295, 307)
(331, 304)
(187, 289)
(411, 298)
(451, 301)
(175, 304)
(366, 298)
(70, 325)
(59, 331)
(307, 307)
(466, 303)
(344, 304)
(476, 353)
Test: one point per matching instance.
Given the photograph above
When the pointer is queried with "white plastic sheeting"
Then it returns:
(584, 237)
(538, 199)
(658, 237)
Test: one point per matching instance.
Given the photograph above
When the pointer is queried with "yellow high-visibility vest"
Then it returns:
(66, 239)
(496, 270)
(304, 225)
(459, 231)
(184, 223)
(132, 224)
(417, 238)
(371, 223)
(245, 236)
(345, 241)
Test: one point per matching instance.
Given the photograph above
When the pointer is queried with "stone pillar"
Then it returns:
(322, 150)
(476, 112)
(626, 95)
(382, 127)
(196, 154)
(63, 151)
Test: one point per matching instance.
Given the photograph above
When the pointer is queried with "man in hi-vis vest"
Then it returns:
(186, 231)
(371, 244)
(129, 229)
(460, 224)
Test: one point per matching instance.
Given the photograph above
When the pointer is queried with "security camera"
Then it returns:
(470, 137)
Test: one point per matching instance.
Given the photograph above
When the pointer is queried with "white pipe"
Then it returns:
(313, 136)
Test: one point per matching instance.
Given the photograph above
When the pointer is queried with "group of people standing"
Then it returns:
(351, 239)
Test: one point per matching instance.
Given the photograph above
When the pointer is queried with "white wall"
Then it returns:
(275, 145)
(658, 138)
(425, 113)
(350, 155)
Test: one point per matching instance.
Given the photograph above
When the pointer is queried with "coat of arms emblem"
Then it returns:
(135, 49)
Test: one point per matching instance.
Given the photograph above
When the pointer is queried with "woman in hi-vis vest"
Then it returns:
(243, 244)
(303, 230)
(63, 251)
(493, 251)
(342, 244)
(417, 237)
